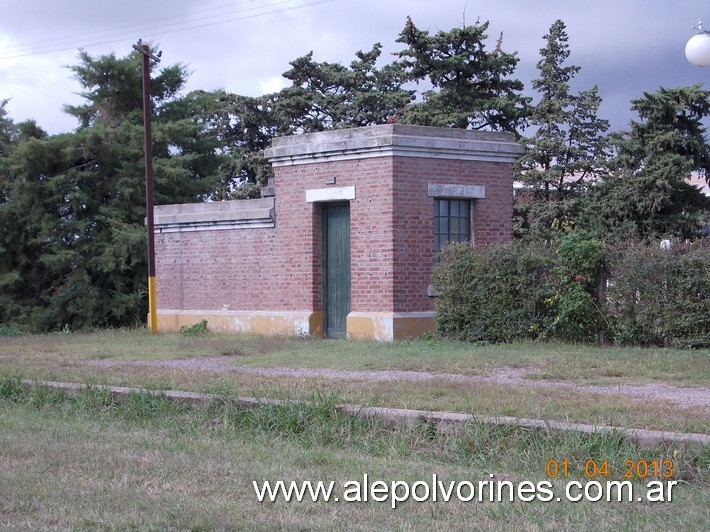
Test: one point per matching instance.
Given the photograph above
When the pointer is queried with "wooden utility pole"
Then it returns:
(144, 50)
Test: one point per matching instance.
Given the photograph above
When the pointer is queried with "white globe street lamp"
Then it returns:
(697, 50)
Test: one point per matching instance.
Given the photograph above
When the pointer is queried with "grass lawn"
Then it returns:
(551, 360)
(85, 462)
(64, 357)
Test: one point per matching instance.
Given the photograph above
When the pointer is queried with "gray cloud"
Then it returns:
(624, 47)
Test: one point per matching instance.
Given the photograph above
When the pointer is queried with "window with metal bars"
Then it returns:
(452, 222)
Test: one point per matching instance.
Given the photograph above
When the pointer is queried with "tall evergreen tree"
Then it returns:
(331, 96)
(242, 127)
(74, 216)
(7, 130)
(568, 149)
(472, 87)
(647, 194)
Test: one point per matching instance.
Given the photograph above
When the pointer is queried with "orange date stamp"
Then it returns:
(632, 469)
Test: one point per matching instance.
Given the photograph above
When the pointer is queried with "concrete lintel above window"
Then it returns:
(315, 195)
(437, 190)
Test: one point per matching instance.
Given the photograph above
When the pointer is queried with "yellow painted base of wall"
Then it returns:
(380, 326)
(389, 326)
(291, 323)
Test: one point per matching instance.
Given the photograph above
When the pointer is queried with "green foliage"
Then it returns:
(577, 270)
(472, 87)
(7, 129)
(331, 95)
(493, 293)
(634, 294)
(315, 420)
(12, 389)
(319, 421)
(74, 204)
(661, 296)
(7, 329)
(72, 236)
(235, 129)
(198, 329)
(647, 196)
(246, 191)
(568, 149)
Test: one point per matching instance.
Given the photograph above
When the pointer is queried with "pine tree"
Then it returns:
(568, 149)
(472, 87)
(75, 203)
(647, 194)
(331, 96)
(7, 130)
(241, 127)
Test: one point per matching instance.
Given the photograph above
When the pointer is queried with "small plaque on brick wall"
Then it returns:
(330, 180)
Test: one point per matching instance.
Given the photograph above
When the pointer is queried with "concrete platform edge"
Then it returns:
(446, 422)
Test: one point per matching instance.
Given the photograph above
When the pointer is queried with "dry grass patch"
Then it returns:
(480, 399)
(81, 462)
(70, 357)
(558, 361)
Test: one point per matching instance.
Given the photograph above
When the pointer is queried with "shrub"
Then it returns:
(661, 296)
(198, 329)
(7, 329)
(578, 266)
(493, 293)
(577, 290)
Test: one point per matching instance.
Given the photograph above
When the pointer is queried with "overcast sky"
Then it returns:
(625, 47)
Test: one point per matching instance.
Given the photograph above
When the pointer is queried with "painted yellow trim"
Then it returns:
(152, 308)
(389, 326)
(290, 323)
(381, 326)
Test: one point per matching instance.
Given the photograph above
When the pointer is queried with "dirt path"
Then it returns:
(685, 397)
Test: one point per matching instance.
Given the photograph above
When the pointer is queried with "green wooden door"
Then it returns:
(336, 268)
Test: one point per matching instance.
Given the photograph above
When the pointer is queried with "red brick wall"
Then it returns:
(297, 243)
(370, 226)
(414, 218)
(206, 270)
(280, 268)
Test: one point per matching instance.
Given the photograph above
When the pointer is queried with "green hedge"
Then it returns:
(579, 290)
(661, 296)
(493, 293)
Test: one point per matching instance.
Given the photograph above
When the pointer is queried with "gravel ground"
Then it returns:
(685, 397)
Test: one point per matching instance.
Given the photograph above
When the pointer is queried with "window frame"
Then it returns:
(453, 207)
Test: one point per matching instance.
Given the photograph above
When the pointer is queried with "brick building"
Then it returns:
(347, 242)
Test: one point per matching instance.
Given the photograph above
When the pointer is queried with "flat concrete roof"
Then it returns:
(394, 140)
